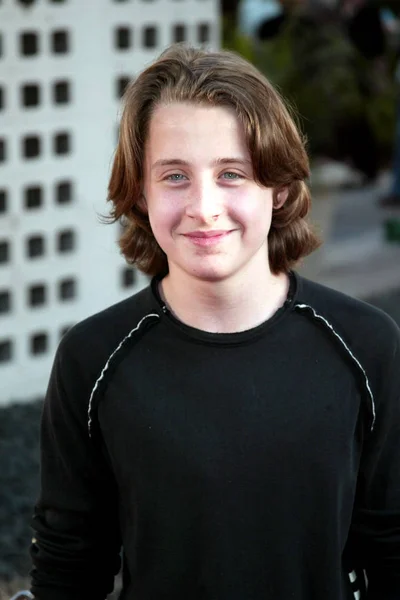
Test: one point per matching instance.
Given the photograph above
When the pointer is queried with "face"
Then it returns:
(205, 209)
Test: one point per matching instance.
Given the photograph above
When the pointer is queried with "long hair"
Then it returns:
(277, 149)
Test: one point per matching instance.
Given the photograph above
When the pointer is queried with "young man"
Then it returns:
(233, 427)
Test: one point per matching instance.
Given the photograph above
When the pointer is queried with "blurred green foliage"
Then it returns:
(321, 74)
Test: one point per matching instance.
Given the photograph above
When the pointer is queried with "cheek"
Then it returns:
(253, 210)
(165, 211)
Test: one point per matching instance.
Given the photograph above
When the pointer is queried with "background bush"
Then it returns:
(324, 79)
(19, 484)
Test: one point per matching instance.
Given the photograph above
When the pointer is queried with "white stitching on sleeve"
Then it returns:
(105, 368)
(345, 346)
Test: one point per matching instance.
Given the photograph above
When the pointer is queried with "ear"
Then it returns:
(142, 204)
(280, 197)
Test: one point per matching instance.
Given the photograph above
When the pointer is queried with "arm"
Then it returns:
(75, 550)
(376, 520)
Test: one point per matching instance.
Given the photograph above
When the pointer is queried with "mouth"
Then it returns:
(207, 238)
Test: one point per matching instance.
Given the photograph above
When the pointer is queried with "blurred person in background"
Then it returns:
(327, 62)
(392, 199)
(365, 27)
(260, 19)
(362, 21)
(336, 75)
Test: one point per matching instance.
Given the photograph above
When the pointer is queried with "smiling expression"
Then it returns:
(206, 211)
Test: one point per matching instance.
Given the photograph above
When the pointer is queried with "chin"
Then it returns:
(210, 274)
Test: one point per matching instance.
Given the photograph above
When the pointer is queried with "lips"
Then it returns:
(207, 238)
(206, 234)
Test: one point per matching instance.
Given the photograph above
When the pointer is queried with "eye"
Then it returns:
(175, 177)
(231, 176)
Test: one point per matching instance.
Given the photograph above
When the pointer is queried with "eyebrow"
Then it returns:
(215, 163)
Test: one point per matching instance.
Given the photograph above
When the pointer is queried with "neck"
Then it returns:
(228, 306)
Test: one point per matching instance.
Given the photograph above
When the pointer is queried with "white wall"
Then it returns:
(92, 66)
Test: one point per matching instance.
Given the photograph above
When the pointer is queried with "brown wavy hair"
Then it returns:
(277, 149)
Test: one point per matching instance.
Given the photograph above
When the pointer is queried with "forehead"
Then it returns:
(189, 129)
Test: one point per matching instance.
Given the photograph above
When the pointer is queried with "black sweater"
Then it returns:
(260, 465)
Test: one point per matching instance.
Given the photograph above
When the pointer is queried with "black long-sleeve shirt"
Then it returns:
(256, 465)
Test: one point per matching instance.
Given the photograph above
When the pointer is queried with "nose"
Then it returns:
(205, 202)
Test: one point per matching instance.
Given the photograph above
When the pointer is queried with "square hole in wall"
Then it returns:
(63, 192)
(30, 95)
(4, 251)
(39, 343)
(203, 33)
(6, 350)
(67, 289)
(3, 150)
(123, 38)
(5, 301)
(128, 277)
(62, 143)
(29, 43)
(149, 36)
(179, 33)
(66, 241)
(37, 295)
(61, 92)
(3, 201)
(121, 85)
(60, 41)
(31, 146)
(35, 246)
(33, 197)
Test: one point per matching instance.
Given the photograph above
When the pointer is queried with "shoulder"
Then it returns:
(368, 330)
(86, 351)
(90, 343)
